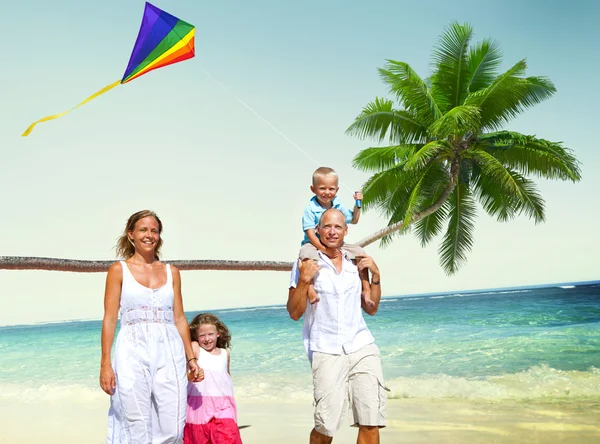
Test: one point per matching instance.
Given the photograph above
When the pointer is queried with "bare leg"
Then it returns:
(319, 438)
(312, 294)
(366, 288)
(367, 435)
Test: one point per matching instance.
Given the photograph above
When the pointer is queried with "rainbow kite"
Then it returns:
(162, 40)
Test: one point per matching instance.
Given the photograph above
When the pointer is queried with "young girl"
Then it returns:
(211, 411)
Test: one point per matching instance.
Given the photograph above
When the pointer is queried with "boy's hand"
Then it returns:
(358, 196)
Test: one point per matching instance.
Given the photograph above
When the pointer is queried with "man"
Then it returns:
(345, 361)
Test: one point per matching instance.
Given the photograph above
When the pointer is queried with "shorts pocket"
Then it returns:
(382, 401)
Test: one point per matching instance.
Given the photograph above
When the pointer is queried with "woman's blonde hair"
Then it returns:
(224, 339)
(124, 247)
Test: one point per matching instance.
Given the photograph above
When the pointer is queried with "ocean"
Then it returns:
(519, 344)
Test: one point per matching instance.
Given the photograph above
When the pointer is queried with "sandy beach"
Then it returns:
(410, 421)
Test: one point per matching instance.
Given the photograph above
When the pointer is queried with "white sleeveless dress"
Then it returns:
(149, 403)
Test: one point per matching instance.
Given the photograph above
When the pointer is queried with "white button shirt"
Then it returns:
(335, 324)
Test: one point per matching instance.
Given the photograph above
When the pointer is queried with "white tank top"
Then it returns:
(143, 305)
(215, 363)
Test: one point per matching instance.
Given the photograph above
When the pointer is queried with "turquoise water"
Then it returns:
(522, 344)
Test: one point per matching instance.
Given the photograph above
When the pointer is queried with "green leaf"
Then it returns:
(439, 149)
(484, 61)
(458, 239)
(532, 156)
(517, 191)
(459, 120)
(411, 90)
(509, 95)
(430, 226)
(382, 158)
(379, 119)
(451, 77)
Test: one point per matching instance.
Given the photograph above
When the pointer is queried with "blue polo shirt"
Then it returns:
(314, 211)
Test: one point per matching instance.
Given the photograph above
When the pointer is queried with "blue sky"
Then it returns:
(225, 184)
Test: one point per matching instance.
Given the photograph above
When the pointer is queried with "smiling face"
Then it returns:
(325, 188)
(207, 335)
(332, 228)
(145, 235)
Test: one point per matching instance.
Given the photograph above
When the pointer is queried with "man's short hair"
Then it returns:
(323, 172)
(332, 209)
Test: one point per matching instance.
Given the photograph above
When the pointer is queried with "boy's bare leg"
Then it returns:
(366, 288)
(313, 297)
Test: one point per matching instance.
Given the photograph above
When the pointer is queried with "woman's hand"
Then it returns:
(107, 379)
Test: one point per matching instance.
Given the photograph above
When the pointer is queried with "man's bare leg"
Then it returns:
(319, 438)
(367, 435)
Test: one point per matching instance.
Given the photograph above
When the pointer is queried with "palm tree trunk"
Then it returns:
(454, 170)
(83, 266)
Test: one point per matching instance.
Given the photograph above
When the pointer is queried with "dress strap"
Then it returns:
(169, 276)
(126, 271)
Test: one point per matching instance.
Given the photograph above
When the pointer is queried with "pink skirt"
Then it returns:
(217, 431)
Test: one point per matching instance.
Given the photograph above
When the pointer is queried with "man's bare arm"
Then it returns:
(367, 263)
(297, 297)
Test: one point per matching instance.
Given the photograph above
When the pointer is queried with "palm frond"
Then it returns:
(451, 75)
(426, 153)
(484, 60)
(379, 120)
(377, 188)
(509, 95)
(381, 158)
(458, 240)
(493, 199)
(428, 227)
(411, 90)
(459, 120)
(532, 156)
(516, 190)
(389, 190)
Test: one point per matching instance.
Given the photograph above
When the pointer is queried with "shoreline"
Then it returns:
(441, 421)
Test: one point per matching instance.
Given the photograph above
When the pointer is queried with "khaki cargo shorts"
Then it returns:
(351, 381)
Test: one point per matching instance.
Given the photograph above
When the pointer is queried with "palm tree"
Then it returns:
(87, 266)
(448, 150)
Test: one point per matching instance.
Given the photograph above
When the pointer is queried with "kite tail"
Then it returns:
(56, 116)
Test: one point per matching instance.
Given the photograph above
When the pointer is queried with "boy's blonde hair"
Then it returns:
(323, 172)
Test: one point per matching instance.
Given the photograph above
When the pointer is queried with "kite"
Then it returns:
(162, 40)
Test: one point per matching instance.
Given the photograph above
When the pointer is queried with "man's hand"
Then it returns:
(308, 270)
(358, 196)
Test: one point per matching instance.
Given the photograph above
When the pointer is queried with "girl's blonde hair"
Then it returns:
(124, 247)
(224, 339)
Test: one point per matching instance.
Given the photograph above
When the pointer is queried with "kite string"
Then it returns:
(249, 108)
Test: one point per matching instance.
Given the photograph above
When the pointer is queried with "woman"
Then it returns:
(147, 380)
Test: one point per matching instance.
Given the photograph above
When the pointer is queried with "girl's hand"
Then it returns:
(107, 379)
(200, 377)
(194, 371)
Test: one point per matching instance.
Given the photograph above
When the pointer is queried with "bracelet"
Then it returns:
(191, 359)
(375, 282)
